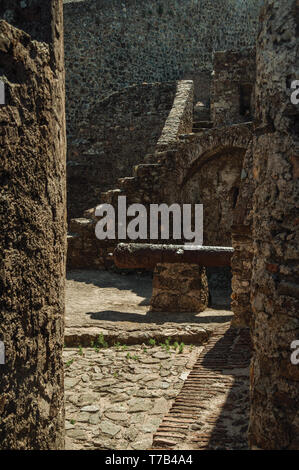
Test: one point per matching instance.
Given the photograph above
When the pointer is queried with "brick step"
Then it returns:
(186, 137)
(202, 125)
(208, 397)
(207, 123)
(201, 112)
(110, 196)
(79, 225)
(129, 183)
(146, 169)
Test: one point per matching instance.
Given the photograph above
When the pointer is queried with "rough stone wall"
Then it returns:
(242, 243)
(32, 238)
(31, 16)
(232, 97)
(274, 420)
(232, 101)
(180, 118)
(186, 168)
(110, 44)
(115, 136)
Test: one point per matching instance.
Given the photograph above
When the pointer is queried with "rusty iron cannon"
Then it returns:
(147, 256)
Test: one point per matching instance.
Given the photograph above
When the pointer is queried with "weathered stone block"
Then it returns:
(179, 288)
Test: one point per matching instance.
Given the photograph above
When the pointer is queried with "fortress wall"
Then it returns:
(110, 45)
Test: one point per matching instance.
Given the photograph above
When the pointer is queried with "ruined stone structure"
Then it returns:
(32, 240)
(236, 152)
(194, 162)
(121, 131)
(274, 422)
(114, 137)
(233, 87)
(110, 45)
(147, 185)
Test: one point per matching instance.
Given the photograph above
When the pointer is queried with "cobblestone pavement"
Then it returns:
(135, 397)
(117, 397)
(212, 409)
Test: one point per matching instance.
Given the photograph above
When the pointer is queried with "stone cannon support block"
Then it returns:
(179, 288)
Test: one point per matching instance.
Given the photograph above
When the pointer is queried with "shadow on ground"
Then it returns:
(95, 298)
(164, 317)
(138, 283)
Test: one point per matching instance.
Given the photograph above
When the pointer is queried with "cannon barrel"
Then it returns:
(146, 255)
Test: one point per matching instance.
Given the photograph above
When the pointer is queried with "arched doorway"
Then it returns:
(214, 181)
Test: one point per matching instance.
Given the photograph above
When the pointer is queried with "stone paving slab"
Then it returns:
(116, 397)
(189, 334)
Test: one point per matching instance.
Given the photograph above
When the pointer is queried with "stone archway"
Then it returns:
(215, 183)
(209, 169)
(212, 177)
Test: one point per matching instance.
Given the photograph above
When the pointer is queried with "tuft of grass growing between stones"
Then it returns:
(99, 343)
(167, 345)
(134, 357)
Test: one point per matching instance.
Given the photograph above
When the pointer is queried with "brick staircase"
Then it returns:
(200, 126)
(211, 412)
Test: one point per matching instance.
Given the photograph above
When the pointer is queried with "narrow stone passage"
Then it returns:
(116, 397)
(212, 409)
(136, 395)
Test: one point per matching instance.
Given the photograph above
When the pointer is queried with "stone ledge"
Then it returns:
(188, 334)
